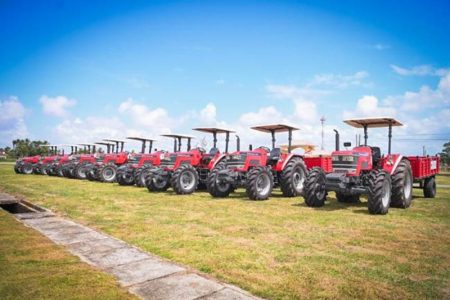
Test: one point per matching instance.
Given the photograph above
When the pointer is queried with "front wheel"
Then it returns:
(215, 187)
(27, 168)
(259, 183)
(156, 183)
(379, 198)
(185, 179)
(315, 191)
(125, 176)
(140, 175)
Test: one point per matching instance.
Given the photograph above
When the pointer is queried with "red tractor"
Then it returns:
(104, 169)
(135, 170)
(187, 171)
(261, 169)
(158, 178)
(56, 168)
(387, 180)
(25, 165)
(41, 167)
(76, 167)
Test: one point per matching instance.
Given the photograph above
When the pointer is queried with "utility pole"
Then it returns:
(322, 120)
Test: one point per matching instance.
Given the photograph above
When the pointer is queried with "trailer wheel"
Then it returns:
(107, 173)
(140, 174)
(292, 178)
(343, 198)
(156, 184)
(402, 185)
(259, 183)
(215, 188)
(315, 192)
(27, 168)
(380, 189)
(429, 188)
(125, 176)
(184, 179)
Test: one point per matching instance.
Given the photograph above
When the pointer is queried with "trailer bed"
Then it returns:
(424, 166)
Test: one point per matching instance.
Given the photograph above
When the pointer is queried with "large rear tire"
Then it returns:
(156, 184)
(344, 198)
(79, 171)
(215, 188)
(315, 192)
(402, 185)
(184, 179)
(140, 175)
(380, 190)
(17, 167)
(107, 173)
(429, 188)
(292, 178)
(259, 183)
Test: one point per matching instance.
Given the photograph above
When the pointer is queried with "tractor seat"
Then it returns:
(213, 151)
(376, 155)
(274, 155)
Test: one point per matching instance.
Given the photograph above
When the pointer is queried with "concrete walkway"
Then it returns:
(145, 275)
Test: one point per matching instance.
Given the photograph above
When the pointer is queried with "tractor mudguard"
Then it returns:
(281, 164)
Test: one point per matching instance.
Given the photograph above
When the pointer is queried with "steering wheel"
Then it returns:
(265, 148)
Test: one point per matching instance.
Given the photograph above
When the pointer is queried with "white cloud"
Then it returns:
(56, 106)
(368, 106)
(421, 70)
(220, 82)
(12, 124)
(424, 98)
(141, 115)
(208, 114)
(342, 81)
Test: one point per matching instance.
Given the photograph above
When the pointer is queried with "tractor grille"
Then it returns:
(236, 161)
(344, 163)
(168, 161)
(135, 159)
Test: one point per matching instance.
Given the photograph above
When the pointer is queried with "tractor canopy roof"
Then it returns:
(183, 136)
(115, 140)
(49, 145)
(104, 143)
(142, 139)
(86, 144)
(213, 130)
(274, 128)
(373, 122)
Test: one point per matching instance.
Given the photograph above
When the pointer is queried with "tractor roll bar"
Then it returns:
(179, 137)
(143, 141)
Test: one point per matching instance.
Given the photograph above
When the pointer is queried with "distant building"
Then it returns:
(2, 154)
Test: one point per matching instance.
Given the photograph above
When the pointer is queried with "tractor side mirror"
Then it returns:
(347, 144)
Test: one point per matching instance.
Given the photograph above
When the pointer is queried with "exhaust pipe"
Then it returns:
(238, 143)
(336, 138)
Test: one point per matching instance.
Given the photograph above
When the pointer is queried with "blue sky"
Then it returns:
(77, 71)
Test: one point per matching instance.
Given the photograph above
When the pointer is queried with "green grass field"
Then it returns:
(278, 248)
(32, 267)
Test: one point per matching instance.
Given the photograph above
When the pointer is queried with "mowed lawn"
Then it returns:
(32, 267)
(278, 248)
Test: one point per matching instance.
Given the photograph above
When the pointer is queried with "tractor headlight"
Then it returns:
(335, 158)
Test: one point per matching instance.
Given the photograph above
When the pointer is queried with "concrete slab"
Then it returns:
(7, 199)
(48, 222)
(228, 294)
(140, 271)
(178, 286)
(115, 257)
(77, 237)
(101, 245)
(34, 215)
